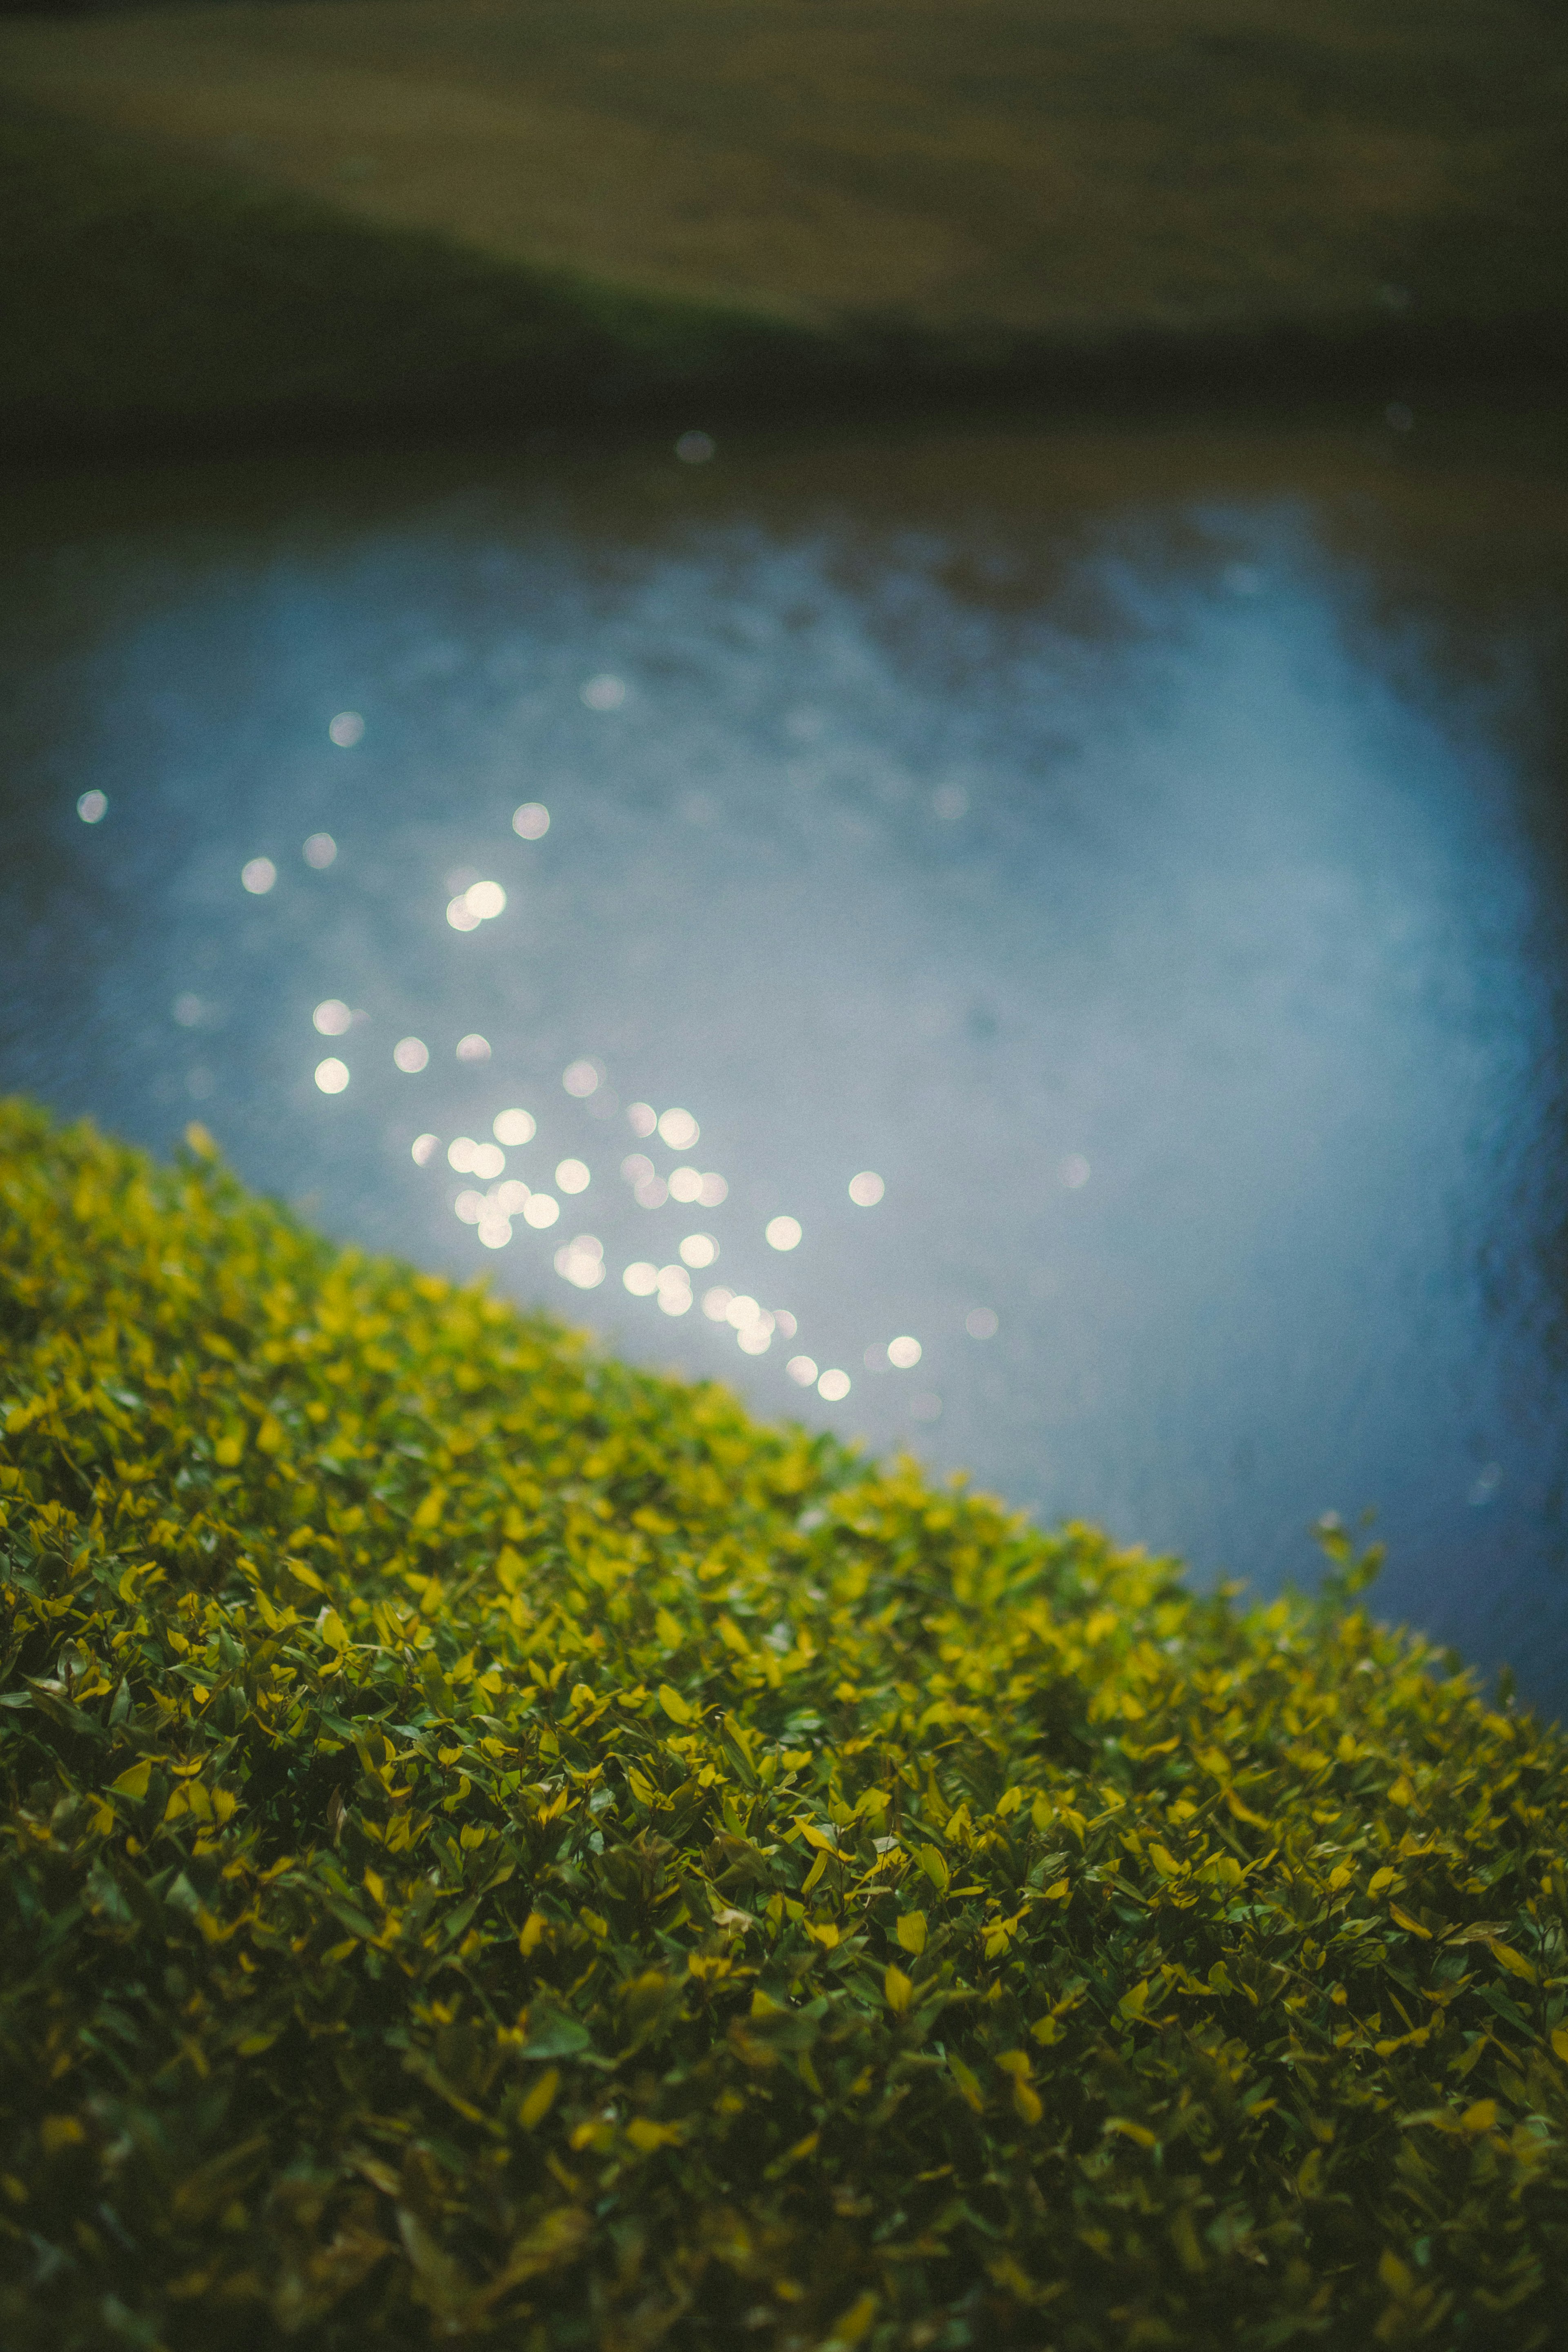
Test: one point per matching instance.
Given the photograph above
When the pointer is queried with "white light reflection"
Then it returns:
(511, 1198)
(641, 1118)
(318, 851)
(485, 899)
(786, 1322)
(867, 1189)
(716, 1303)
(581, 1261)
(674, 1289)
(531, 820)
(473, 1047)
(469, 1206)
(802, 1370)
(488, 1160)
(604, 692)
(424, 1150)
(981, 1323)
(684, 1185)
(331, 1017)
(757, 1337)
(258, 874)
(699, 1249)
(641, 1278)
(904, 1353)
(712, 1190)
(411, 1054)
(833, 1387)
(460, 915)
(332, 1076)
(679, 1129)
(581, 1078)
(495, 1232)
(782, 1232)
(572, 1176)
(460, 1154)
(513, 1128)
(92, 807)
(539, 1211)
(346, 729)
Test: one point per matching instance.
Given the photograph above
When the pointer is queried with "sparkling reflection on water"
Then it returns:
(1044, 950)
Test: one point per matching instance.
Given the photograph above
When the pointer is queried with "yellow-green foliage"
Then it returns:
(498, 1842)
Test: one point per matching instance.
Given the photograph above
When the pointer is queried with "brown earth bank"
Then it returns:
(232, 221)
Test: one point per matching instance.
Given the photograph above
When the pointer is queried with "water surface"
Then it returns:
(1141, 850)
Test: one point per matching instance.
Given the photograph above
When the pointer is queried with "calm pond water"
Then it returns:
(1138, 854)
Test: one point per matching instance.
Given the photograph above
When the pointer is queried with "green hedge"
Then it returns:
(496, 1842)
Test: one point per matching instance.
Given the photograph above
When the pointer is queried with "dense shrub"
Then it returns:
(495, 1842)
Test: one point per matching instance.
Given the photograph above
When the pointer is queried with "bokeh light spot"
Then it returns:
(539, 1211)
(981, 1323)
(802, 1370)
(318, 851)
(581, 1078)
(460, 1154)
(684, 1185)
(867, 1189)
(903, 1354)
(679, 1129)
(411, 1054)
(642, 1118)
(332, 1076)
(572, 1176)
(833, 1387)
(346, 729)
(92, 807)
(531, 820)
(485, 899)
(424, 1150)
(258, 874)
(487, 1161)
(513, 1128)
(782, 1232)
(712, 1190)
(473, 1047)
(331, 1017)
(581, 1261)
(641, 1278)
(699, 1249)
(604, 692)
(1075, 1171)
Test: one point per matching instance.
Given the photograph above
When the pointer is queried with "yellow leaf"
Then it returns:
(1515, 1962)
(935, 1868)
(1026, 2101)
(429, 1512)
(967, 2082)
(911, 1932)
(329, 1625)
(1379, 1880)
(227, 1452)
(133, 1783)
(60, 2131)
(646, 2135)
(304, 1575)
(1481, 2117)
(853, 2323)
(533, 1927)
(1404, 1920)
(1243, 1812)
(1560, 2042)
(678, 1709)
(898, 1990)
(271, 1438)
(1165, 1861)
(1395, 2275)
(540, 2100)
(1129, 2130)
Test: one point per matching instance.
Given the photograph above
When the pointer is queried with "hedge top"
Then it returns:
(494, 1842)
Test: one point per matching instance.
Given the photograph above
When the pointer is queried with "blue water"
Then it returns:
(1140, 852)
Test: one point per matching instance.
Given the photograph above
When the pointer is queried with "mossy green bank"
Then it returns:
(496, 1843)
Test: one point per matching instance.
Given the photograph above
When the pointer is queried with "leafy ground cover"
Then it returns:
(1143, 193)
(495, 1843)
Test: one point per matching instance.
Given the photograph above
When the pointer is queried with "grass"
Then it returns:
(494, 1843)
(356, 206)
